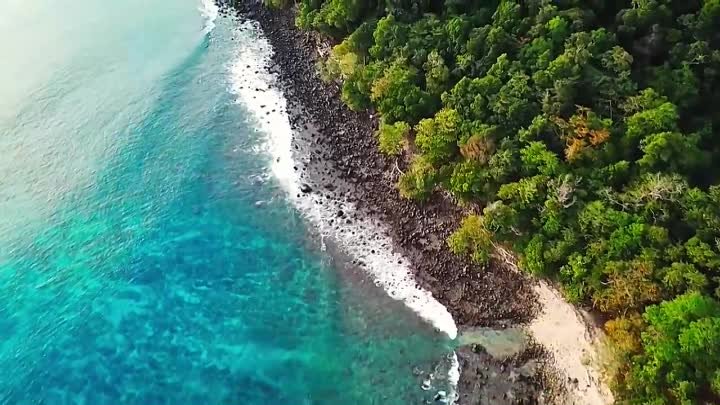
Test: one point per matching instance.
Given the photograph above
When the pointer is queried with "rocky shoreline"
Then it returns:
(341, 160)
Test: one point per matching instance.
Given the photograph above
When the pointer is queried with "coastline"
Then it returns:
(341, 163)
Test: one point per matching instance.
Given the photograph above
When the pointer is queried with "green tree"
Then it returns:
(437, 137)
(681, 277)
(651, 121)
(398, 96)
(437, 74)
(671, 151)
(473, 239)
(537, 159)
(393, 137)
(514, 106)
(389, 36)
(524, 193)
(470, 97)
(419, 181)
(470, 180)
(681, 353)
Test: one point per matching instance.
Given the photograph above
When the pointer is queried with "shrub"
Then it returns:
(472, 239)
(437, 137)
(392, 137)
(419, 181)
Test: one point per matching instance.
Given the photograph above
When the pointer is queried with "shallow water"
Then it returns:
(499, 343)
(137, 265)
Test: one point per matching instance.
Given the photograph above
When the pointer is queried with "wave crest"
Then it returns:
(210, 11)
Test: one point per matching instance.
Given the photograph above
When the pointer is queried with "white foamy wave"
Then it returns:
(454, 378)
(210, 11)
(364, 240)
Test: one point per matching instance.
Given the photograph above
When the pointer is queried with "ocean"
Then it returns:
(153, 249)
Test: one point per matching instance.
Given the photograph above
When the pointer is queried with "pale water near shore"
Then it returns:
(136, 264)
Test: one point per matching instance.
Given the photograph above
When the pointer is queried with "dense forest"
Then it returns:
(589, 133)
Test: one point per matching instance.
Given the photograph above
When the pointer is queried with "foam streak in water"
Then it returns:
(454, 377)
(210, 12)
(359, 239)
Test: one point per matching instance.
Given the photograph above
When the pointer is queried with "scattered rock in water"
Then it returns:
(441, 396)
(426, 384)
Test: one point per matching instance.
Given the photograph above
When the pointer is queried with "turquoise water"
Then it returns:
(136, 265)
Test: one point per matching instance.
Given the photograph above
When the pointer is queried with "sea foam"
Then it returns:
(363, 239)
(210, 11)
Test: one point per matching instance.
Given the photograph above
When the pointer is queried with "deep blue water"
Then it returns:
(136, 265)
